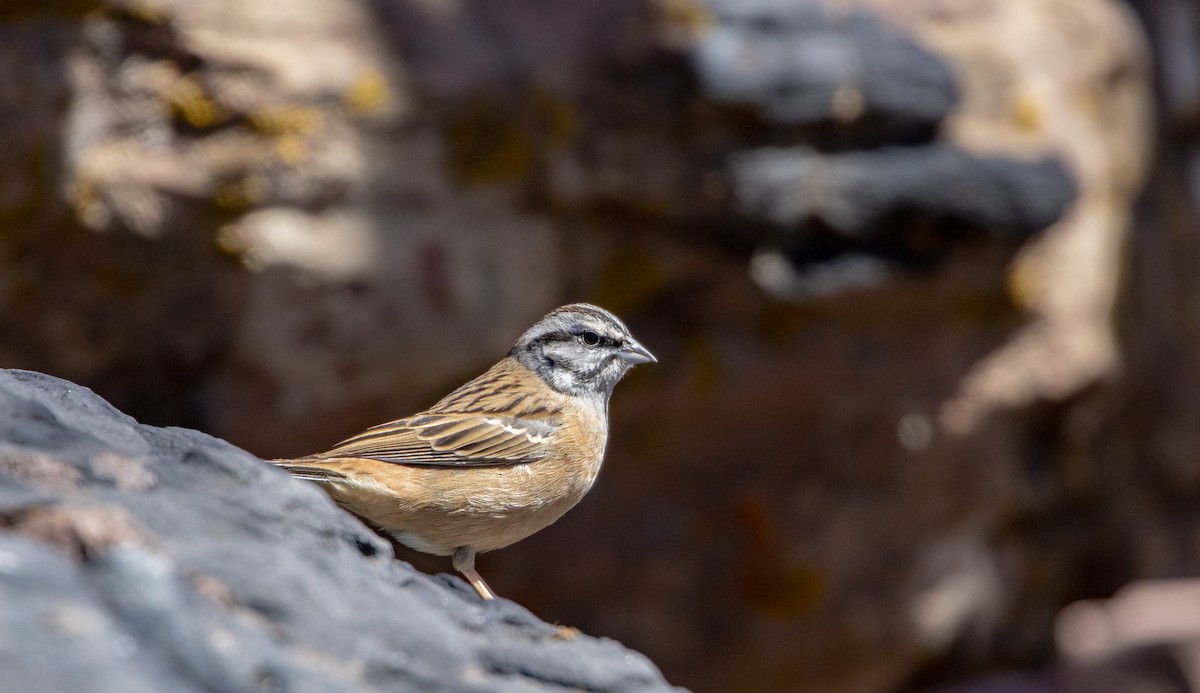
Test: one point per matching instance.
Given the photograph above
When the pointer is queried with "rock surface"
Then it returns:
(135, 558)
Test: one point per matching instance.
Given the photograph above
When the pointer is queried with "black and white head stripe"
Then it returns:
(580, 349)
(571, 321)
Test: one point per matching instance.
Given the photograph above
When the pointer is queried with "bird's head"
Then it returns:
(580, 349)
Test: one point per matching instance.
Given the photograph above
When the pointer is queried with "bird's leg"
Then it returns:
(464, 562)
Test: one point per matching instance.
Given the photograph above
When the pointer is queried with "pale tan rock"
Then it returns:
(1068, 77)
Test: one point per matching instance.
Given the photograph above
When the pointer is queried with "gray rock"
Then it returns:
(135, 558)
(847, 219)
(867, 194)
(794, 62)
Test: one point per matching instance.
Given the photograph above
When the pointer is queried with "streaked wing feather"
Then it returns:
(453, 439)
(490, 421)
(493, 442)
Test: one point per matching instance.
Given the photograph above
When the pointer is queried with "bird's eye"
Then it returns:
(589, 338)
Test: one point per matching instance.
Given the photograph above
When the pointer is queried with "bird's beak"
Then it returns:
(634, 353)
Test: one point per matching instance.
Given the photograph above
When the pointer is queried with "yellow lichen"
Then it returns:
(149, 11)
(681, 21)
(367, 94)
(1025, 284)
(290, 149)
(187, 98)
(241, 194)
(288, 120)
(229, 240)
(1027, 112)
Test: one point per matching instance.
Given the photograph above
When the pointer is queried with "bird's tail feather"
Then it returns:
(300, 470)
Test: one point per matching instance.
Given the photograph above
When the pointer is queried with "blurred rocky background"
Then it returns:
(923, 277)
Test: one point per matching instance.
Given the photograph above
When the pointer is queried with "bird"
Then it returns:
(496, 460)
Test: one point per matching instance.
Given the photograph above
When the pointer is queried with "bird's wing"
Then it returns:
(493, 420)
(455, 439)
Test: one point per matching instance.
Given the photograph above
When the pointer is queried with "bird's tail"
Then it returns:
(308, 468)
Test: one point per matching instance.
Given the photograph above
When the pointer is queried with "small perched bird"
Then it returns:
(498, 459)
